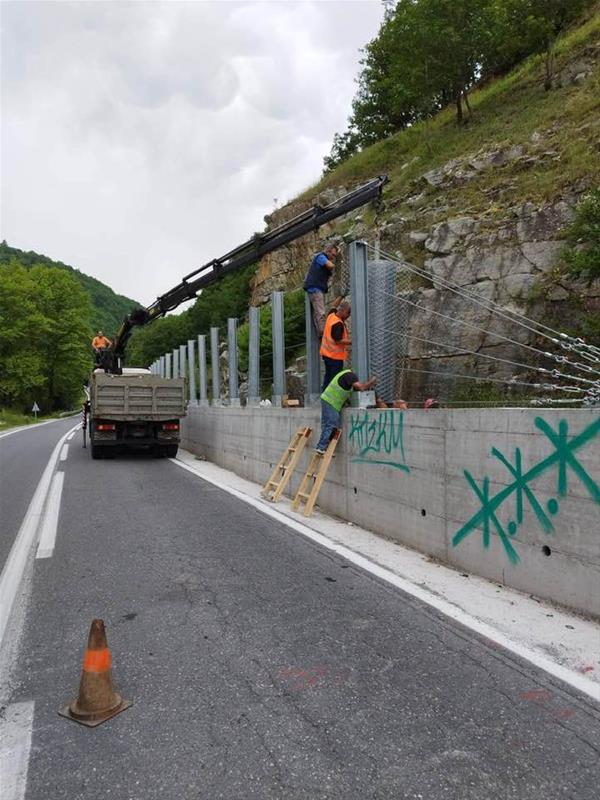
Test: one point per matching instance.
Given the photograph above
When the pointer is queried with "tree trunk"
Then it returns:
(459, 109)
(468, 105)
(549, 63)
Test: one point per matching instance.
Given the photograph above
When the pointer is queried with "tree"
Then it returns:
(523, 27)
(44, 337)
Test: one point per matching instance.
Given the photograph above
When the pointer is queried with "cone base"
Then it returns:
(97, 719)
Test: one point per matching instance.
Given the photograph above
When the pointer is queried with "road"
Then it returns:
(259, 664)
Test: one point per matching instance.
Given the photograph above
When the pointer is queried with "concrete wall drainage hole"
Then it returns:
(546, 550)
(423, 512)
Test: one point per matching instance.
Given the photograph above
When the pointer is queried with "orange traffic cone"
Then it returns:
(97, 699)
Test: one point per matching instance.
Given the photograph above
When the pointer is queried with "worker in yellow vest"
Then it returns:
(333, 399)
(335, 342)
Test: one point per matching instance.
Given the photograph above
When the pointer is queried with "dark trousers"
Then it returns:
(332, 367)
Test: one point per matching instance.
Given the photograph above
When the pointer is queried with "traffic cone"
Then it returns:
(97, 700)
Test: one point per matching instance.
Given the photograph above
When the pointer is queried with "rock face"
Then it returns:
(464, 263)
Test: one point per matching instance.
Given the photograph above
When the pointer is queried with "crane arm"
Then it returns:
(249, 252)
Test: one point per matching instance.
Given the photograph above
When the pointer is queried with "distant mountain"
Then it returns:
(109, 308)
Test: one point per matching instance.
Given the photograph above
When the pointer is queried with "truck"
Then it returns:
(134, 410)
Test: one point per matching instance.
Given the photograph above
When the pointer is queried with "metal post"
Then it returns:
(182, 360)
(176, 362)
(254, 356)
(162, 367)
(202, 370)
(214, 363)
(232, 349)
(357, 253)
(278, 348)
(191, 351)
(313, 359)
(168, 372)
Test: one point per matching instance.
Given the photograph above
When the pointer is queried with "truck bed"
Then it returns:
(137, 397)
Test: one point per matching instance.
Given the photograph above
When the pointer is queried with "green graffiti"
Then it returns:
(562, 458)
(379, 434)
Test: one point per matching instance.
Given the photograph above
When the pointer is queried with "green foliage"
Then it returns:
(583, 252)
(44, 337)
(506, 111)
(523, 27)
(108, 309)
(12, 419)
(431, 53)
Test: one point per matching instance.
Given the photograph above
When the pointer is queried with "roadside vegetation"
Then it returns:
(506, 109)
(45, 331)
(13, 419)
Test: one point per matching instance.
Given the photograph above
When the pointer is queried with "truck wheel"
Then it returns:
(97, 452)
(170, 450)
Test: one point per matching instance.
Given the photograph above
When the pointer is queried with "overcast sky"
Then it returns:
(142, 139)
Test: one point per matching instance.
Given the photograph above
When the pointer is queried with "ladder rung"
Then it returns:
(303, 494)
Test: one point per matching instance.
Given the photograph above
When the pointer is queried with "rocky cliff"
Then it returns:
(479, 222)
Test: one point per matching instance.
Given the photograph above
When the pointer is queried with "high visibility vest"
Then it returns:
(334, 394)
(329, 346)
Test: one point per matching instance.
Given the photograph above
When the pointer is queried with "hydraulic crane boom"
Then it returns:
(247, 253)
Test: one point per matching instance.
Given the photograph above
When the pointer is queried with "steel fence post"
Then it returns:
(254, 356)
(232, 351)
(175, 362)
(202, 370)
(313, 360)
(191, 351)
(168, 373)
(278, 333)
(215, 366)
(357, 253)
(182, 360)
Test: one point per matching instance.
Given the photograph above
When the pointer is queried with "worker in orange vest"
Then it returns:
(100, 342)
(335, 342)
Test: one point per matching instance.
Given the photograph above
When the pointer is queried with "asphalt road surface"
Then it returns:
(260, 665)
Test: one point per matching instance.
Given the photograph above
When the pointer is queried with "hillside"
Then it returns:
(108, 308)
(485, 205)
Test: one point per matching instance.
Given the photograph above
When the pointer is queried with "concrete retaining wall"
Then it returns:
(512, 495)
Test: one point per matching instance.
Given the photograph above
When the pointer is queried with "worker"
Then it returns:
(316, 284)
(100, 342)
(333, 400)
(335, 342)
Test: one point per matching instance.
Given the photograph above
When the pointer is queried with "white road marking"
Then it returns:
(15, 745)
(49, 523)
(64, 452)
(28, 427)
(16, 562)
(71, 435)
(579, 682)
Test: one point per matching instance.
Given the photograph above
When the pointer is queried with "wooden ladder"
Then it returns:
(280, 476)
(316, 472)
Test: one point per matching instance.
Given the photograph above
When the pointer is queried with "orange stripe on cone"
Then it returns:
(97, 660)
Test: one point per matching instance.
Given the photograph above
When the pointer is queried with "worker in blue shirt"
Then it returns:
(316, 284)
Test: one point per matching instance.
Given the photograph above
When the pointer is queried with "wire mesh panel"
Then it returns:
(381, 278)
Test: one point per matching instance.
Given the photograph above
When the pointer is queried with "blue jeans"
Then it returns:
(332, 367)
(331, 420)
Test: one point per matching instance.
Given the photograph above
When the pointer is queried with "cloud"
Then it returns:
(142, 139)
